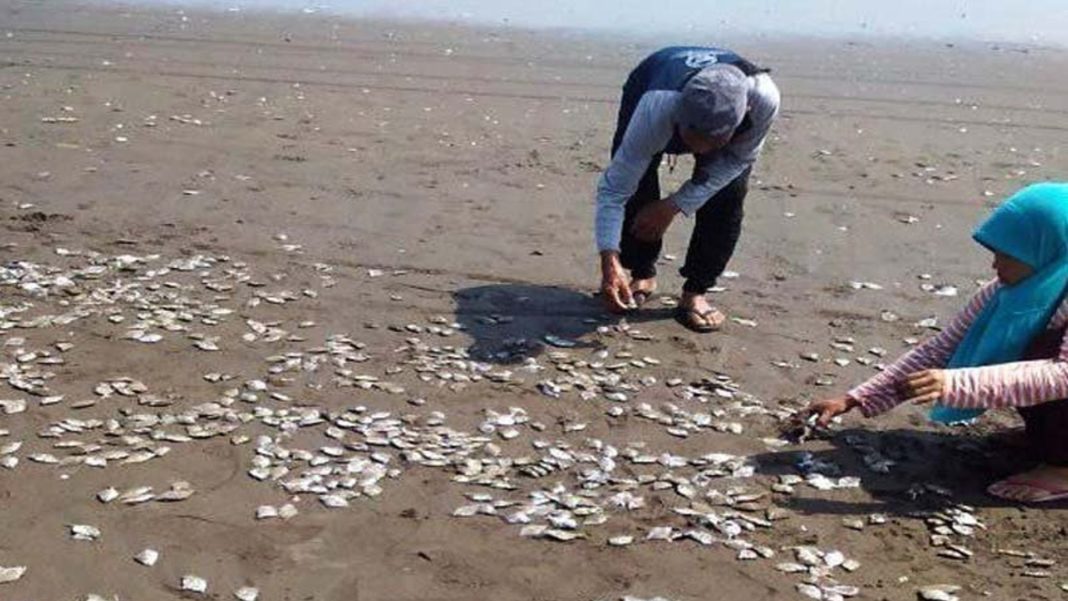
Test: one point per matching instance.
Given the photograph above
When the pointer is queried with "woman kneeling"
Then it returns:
(1007, 348)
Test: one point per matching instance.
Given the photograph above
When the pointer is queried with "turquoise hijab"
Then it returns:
(1031, 227)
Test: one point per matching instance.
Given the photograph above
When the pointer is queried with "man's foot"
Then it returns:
(1042, 484)
(642, 290)
(695, 312)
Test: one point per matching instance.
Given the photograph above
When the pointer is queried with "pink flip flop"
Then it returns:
(1053, 493)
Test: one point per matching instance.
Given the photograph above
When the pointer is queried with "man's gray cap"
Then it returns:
(715, 100)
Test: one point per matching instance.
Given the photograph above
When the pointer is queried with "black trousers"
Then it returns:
(1046, 427)
(717, 224)
(717, 227)
(1046, 424)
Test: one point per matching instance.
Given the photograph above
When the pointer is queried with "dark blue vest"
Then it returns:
(669, 69)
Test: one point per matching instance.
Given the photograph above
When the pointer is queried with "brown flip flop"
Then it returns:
(698, 321)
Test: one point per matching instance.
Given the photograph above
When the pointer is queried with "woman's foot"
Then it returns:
(642, 290)
(696, 313)
(1042, 484)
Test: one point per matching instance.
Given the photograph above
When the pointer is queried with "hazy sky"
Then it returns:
(1040, 21)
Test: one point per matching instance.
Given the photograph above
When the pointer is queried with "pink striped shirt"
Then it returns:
(1016, 384)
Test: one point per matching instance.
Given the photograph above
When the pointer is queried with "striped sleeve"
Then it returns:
(883, 392)
(1017, 384)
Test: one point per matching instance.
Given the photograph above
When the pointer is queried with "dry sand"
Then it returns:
(466, 159)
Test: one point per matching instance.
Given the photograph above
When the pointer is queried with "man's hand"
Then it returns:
(652, 221)
(925, 386)
(614, 288)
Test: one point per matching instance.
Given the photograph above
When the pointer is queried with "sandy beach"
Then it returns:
(255, 252)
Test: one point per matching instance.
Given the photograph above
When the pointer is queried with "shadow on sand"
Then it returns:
(510, 322)
(931, 470)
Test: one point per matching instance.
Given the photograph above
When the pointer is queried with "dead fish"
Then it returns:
(809, 556)
(147, 557)
(747, 555)
(136, 496)
(833, 559)
(84, 532)
(194, 584)
(11, 574)
(799, 429)
(559, 342)
(179, 491)
(562, 535)
(841, 590)
(660, 533)
(938, 592)
(13, 406)
(107, 495)
(853, 524)
(334, 501)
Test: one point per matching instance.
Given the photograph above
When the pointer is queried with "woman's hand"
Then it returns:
(828, 409)
(925, 386)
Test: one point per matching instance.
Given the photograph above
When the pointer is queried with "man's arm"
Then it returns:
(723, 167)
(648, 132)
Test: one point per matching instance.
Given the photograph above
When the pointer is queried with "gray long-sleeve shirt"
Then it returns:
(650, 130)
